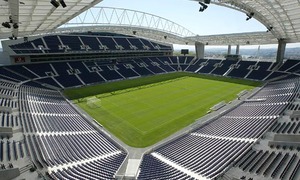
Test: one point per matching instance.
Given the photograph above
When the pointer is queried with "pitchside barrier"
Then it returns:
(218, 106)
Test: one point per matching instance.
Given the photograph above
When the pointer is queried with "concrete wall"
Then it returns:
(287, 137)
(280, 51)
(6, 132)
(295, 114)
(199, 47)
(4, 59)
(7, 174)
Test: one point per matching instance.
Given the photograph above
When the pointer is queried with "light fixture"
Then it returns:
(54, 3)
(204, 6)
(10, 19)
(269, 29)
(13, 37)
(63, 4)
(6, 24)
(15, 26)
(249, 16)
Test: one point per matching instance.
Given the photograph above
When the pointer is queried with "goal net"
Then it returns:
(93, 102)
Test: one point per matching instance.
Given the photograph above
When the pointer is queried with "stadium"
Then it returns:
(110, 100)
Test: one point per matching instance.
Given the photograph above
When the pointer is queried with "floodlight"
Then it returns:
(63, 4)
(15, 26)
(204, 6)
(54, 3)
(6, 24)
(269, 29)
(249, 16)
(10, 19)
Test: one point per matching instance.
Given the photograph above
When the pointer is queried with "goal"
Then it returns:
(93, 102)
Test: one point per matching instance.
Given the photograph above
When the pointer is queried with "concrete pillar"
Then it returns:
(237, 51)
(199, 50)
(280, 50)
(229, 49)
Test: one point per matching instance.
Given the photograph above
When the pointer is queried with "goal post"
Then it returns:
(93, 102)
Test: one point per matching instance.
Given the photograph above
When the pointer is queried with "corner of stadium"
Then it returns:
(91, 92)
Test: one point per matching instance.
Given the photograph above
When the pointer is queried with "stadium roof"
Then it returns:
(282, 18)
(253, 38)
(37, 16)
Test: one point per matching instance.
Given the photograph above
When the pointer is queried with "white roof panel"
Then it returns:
(282, 15)
(38, 16)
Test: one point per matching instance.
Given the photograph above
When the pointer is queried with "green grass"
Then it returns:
(92, 90)
(144, 111)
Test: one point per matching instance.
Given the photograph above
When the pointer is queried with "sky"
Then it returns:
(214, 20)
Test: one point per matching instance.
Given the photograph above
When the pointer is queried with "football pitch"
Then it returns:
(143, 115)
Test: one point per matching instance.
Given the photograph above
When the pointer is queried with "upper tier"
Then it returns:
(86, 43)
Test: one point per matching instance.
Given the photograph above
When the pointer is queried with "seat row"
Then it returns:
(270, 164)
(286, 128)
(153, 168)
(237, 127)
(11, 150)
(210, 149)
(55, 150)
(242, 69)
(98, 169)
(55, 134)
(85, 42)
(9, 120)
(78, 73)
(8, 103)
(50, 123)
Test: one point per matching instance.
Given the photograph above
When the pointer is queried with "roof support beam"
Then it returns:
(280, 50)
(229, 49)
(237, 50)
(199, 50)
